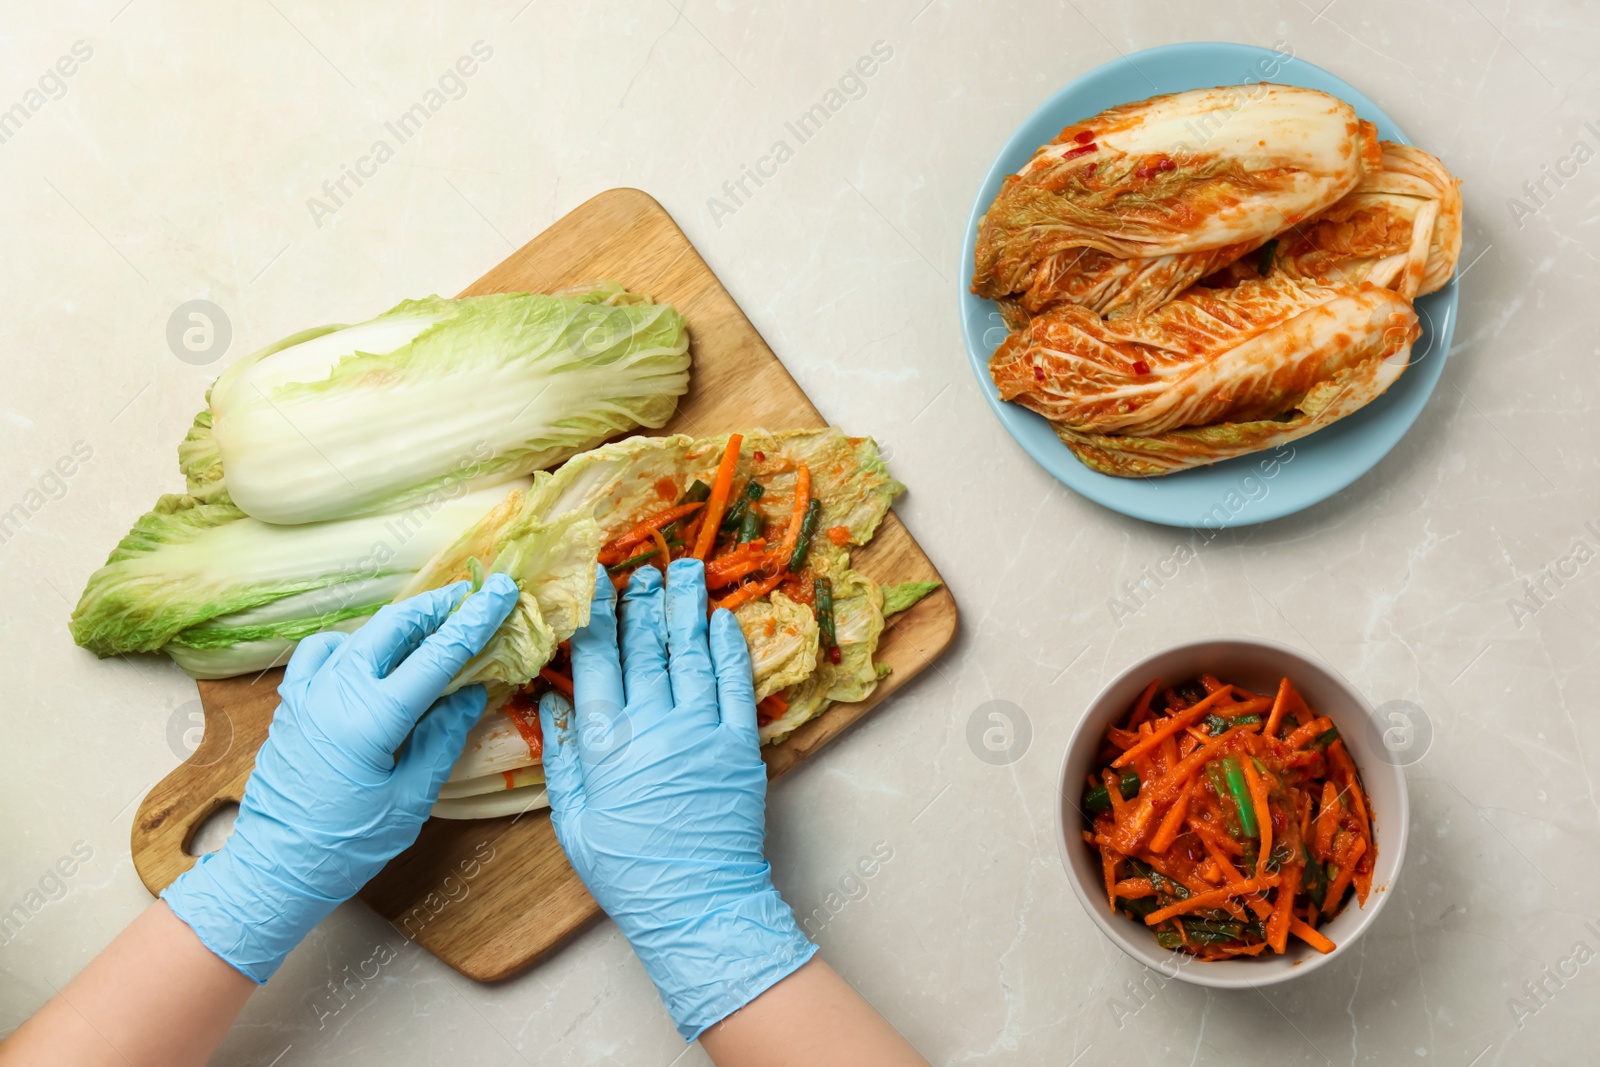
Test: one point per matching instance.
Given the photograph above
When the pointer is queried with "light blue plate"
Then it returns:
(1240, 491)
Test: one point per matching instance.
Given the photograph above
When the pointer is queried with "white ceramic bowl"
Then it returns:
(1257, 665)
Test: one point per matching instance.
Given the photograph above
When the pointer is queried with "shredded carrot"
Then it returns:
(1162, 865)
(1327, 821)
(557, 679)
(1123, 739)
(1230, 874)
(1283, 909)
(1199, 901)
(1251, 706)
(1258, 800)
(737, 552)
(739, 570)
(1141, 707)
(718, 503)
(770, 708)
(1278, 705)
(1310, 936)
(1140, 753)
(1172, 822)
(1130, 831)
(1108, 866)
(1229, 906)
(1335, 891)
(1114, 794)
(615, 550)
(1341, 881)
(750, 591)
(662, 549)
(691, 530)
(1352, 783)
(1362, 880)
(1188, 767)
(1309, 732)
(1208, 831)
(797, 517)
(1170, 727)
(1167, 752)
(1223, 952)
(732, 566)
(1134, 888)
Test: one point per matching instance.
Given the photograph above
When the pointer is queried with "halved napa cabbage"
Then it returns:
(346, 420)
(230, 594)
(225, 594)
(1374, 233)
(1366, 236)
(1203, 176)
(1114, 286)
(1134, 456)
(246, 657)
(1211, 356)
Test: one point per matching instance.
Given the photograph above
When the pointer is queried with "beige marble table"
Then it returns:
(167, 152)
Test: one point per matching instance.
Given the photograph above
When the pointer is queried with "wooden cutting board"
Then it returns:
(493, 896)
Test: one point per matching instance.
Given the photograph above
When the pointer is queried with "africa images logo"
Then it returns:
(852, 85)
(451, 85)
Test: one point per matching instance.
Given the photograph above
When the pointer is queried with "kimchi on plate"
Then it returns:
(1174, 301)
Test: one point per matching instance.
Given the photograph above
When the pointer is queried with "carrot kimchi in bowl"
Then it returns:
(1227, 816)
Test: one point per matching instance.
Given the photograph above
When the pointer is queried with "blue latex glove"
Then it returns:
(328, 804)
(658, 795)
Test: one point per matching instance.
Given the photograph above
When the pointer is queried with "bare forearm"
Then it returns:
(156, 995)
(811, 1017)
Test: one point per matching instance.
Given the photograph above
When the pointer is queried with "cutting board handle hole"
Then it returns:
(212, 829)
